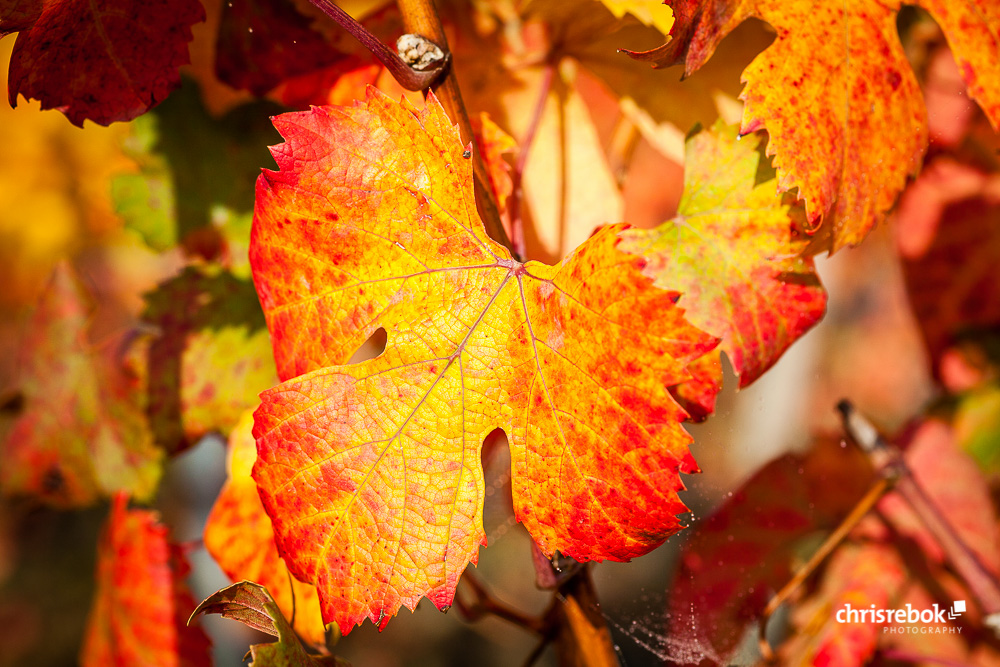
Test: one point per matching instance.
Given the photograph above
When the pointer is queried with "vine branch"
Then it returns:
(408, 77)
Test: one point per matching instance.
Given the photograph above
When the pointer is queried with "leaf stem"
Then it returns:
(517, 194)
(421, 17)
(483, 603)
(405, 75)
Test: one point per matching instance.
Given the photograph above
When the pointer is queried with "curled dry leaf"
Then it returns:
(371, 472)
(252, 605)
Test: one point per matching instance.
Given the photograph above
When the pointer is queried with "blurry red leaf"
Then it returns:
(733, 252)
(240, 538)
(959, 490)
(371, 472)
(949, 234)
(82, 433)
(737, 558)
(847, 139)
(141, 604)
(18, 15)
(262, 43)
(864, 576)
(108, 61)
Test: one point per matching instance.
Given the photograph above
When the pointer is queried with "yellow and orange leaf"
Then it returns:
(835, 91)
(371, 472)
(141, 605)
(733, 251)
(240, 538)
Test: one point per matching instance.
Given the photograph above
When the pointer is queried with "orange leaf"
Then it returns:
(82, 433)
(371, 472)
(733, 252)
(837, 96)
(141, 605)
(240, 538)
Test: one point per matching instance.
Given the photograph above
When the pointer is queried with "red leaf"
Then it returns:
(108, 61)
(19, 15)
(736, 558)
(949, 235)
(141, 605)
(262, 43)
(733, 251)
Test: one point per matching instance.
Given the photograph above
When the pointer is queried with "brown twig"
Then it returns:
(408, 77)
(864, 506)
(421, 17)
(483, 603)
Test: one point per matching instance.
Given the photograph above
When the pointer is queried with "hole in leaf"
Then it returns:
(371, 348)
(498, 511)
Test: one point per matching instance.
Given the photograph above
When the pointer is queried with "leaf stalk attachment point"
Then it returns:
(421, 17)
(419, 63)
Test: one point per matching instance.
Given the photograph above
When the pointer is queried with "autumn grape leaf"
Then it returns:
(240, 538)
(737, 557)
(82, 433)
(141, 604)
(371, 472)
(126, 57)
(733, 251)
(209, 357)
(842, 107)
(253, 605)
(18, 15)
